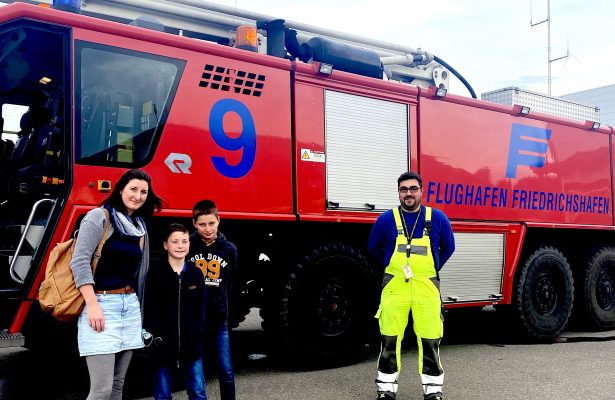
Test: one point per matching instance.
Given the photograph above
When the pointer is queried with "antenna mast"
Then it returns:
(549, 60)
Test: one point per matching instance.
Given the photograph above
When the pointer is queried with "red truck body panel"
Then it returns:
(465, 154)
(488, 169)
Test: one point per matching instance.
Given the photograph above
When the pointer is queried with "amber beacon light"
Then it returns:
(246, 38)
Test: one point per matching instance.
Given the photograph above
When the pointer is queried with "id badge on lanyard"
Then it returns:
(408, 274)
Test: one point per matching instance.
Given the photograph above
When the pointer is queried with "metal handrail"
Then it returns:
(12, 272)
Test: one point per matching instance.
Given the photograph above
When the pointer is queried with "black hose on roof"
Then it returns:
(457, 74)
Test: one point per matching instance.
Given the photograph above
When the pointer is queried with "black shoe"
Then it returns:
(436, 396)
(386, 396)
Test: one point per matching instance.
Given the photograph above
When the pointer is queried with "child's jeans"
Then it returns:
(193, 377)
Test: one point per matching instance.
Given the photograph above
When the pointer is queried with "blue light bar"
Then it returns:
(68, 5)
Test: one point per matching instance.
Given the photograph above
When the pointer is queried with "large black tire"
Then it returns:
(598, 290)
(328, 303)
(544, 294)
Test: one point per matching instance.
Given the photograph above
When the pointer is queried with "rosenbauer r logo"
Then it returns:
(528, 146)
(179, 163)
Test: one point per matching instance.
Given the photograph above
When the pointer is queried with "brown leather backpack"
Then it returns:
(58, 295)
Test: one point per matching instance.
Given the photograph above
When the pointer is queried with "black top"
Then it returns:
(119, 262)
(174, 312)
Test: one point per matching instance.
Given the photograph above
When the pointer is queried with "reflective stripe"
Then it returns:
(420, 250)
(387, 382)
(432, 384)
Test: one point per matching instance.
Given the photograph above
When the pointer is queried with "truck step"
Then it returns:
(11, 339)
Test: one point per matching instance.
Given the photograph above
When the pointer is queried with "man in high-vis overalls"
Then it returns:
(413, 242)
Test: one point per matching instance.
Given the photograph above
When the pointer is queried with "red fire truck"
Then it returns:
(301, 148)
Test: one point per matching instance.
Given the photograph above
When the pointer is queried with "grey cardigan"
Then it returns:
(90, 233)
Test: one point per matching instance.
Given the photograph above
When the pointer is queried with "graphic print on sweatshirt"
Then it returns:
(211, 265)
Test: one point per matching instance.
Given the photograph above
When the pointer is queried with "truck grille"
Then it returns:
(232, 80)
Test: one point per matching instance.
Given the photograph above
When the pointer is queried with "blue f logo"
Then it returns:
(526, 139)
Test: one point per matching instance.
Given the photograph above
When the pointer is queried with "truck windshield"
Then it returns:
(124, 97)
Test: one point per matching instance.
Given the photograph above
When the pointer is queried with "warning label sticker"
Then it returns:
(313, 156)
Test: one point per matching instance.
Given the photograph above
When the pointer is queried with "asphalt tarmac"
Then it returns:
(482, 360)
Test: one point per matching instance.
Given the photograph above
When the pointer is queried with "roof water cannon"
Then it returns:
(275, 37)
(339, 55)
(302, 51)
(346, 57)
(73, 6)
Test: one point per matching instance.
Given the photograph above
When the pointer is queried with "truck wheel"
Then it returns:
(599, 289)
(544, 294)
(329, 301)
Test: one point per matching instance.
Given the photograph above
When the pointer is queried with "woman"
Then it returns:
(109, 327)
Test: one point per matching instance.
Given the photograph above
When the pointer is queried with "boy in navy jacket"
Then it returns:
(174, 311)
(217, 259)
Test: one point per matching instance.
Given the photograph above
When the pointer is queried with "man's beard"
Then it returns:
(415, 207)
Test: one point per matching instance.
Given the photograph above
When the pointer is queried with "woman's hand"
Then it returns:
(96, 317)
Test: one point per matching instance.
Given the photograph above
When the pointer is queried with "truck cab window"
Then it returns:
(124, 97)
(34, 144)
(31, 95)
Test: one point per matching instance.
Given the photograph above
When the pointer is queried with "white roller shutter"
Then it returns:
(474, 271)
(366, 150)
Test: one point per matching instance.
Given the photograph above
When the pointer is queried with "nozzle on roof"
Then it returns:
(302, 51)
(275, 37)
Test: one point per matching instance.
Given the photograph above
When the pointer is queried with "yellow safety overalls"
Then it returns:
(419, 294)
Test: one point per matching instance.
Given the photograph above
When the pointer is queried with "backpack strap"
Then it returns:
(98, 251)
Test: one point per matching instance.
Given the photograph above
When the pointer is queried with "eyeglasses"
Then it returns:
(411, 189)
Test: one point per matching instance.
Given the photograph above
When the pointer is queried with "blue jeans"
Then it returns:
(193, 377)
(225, 368)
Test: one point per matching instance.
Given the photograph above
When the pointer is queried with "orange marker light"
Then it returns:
(246, 38)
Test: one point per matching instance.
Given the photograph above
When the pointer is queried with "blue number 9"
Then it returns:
(245, 141)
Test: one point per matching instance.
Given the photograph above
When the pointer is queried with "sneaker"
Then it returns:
(386, 396)
(437, 396)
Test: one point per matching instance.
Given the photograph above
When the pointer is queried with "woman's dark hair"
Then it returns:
(152, 201)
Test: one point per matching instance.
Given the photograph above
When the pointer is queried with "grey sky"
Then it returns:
(490, 42)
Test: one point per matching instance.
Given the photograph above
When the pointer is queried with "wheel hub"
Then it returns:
(333, 310)
(545, 295)
(605, 291)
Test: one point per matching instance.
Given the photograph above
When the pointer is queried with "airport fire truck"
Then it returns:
(299, 134)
